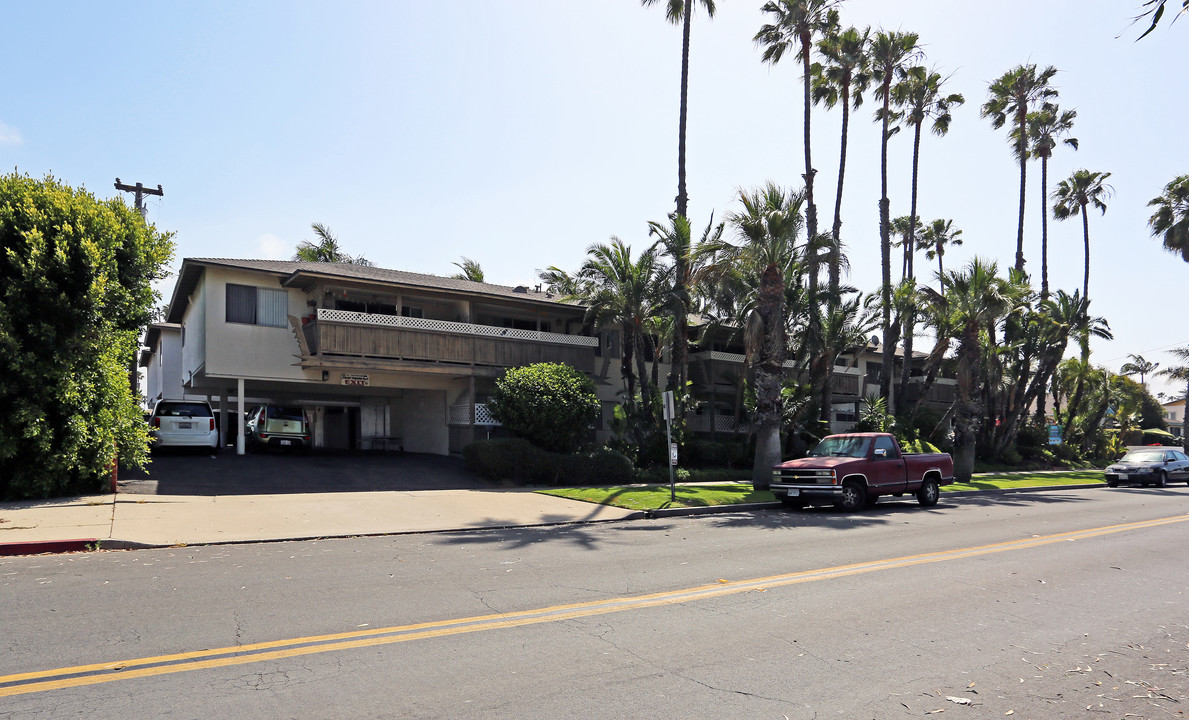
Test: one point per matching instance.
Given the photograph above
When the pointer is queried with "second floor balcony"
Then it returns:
(342, 333)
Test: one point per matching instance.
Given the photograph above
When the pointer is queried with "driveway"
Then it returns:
(191, 473)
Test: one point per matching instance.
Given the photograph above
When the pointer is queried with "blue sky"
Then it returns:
(519, 133)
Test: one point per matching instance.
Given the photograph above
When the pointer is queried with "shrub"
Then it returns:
(521, 462)
(551, 405)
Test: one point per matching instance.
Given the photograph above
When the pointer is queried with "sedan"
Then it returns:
(1149, 466)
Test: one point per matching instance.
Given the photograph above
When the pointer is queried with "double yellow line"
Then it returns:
(79, 675)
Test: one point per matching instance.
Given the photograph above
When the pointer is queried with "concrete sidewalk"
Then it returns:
(131, 521)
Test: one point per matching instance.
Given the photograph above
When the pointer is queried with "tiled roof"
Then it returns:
(188, 277)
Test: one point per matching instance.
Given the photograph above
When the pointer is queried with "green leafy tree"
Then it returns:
(680, 11)
(552, 405)
(1046, 127)
(1180, 373)
(1072, 197)
(1010, 99)
(325, 249)
(75, 289)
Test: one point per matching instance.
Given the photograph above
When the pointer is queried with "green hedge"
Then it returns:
(521, 462)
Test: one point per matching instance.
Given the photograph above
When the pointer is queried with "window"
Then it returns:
(250, 305)
(410, 311)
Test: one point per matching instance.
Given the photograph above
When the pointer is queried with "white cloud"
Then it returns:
(10, 135)
(271, 247)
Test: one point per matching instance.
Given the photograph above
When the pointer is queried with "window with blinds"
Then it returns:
(250, 305)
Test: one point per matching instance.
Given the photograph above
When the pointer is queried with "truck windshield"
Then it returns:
(843, 446)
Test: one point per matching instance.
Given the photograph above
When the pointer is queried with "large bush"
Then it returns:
(549, 404)
(75, 289)
(519, 461)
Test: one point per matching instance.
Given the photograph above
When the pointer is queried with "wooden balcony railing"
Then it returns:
(353, 334)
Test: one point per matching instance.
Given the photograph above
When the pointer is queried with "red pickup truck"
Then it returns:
(855, 469)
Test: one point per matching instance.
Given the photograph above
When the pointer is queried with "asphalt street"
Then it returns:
(1046, 605)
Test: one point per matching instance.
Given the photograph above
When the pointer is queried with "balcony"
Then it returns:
(341, 333)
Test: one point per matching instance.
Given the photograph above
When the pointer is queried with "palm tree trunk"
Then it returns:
(885, 249)
(967, 410)
(682, 199)
(1086, 274)
(627, 341)
(910, 244)
(836, 233)
(769, 377)
(815, 320)
(1044, 227)
(1021, 127)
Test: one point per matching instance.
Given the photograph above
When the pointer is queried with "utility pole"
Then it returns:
(141, 191)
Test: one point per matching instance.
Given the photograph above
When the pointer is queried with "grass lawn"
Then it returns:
(655, 497)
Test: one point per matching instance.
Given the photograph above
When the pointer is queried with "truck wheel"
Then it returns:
(929, 493)
(794, 503)
(852, 498)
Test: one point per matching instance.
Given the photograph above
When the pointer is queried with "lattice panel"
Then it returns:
(358, 318)
(483, 415)
(460, 415)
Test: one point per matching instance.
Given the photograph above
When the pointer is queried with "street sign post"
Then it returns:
(668, 403)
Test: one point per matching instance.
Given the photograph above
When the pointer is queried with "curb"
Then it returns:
(46, 547)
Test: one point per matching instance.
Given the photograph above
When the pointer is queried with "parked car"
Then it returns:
(1149, 466)
(855, 469)
(280, 426)
(184, 423)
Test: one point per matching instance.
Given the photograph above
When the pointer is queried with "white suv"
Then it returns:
(184, 423)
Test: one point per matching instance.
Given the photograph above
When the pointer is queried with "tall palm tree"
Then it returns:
(1081, 190)
(1156, 10)
(891, 54)
(621, 293)
(796, 23)
(1046, 127)
(1180, 373)
(680, 11)
(767, 228)
(471, 270)
(922, 98)
(976, 299)
(934, 239)
(1171, 219)
(841, 80)
(1138, 366)
(326, 249)
(675, 242)
(1009, 99)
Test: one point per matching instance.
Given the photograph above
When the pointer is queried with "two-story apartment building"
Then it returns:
(378, 358)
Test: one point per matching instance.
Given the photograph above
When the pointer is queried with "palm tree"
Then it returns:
(1010, 98)
(1139, 366)
(921, 96)
(767, 228)
(621, 292)
(796, 22)
(841, 80)
(326, 249)
(934, 239)
(1072, 196)
(674, 242)
(680, 11)
(1156, 10)
(976, 300)
(1180, 373)
(471, 270)
(1171, 219)
(1045, 127)
(891, 54)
